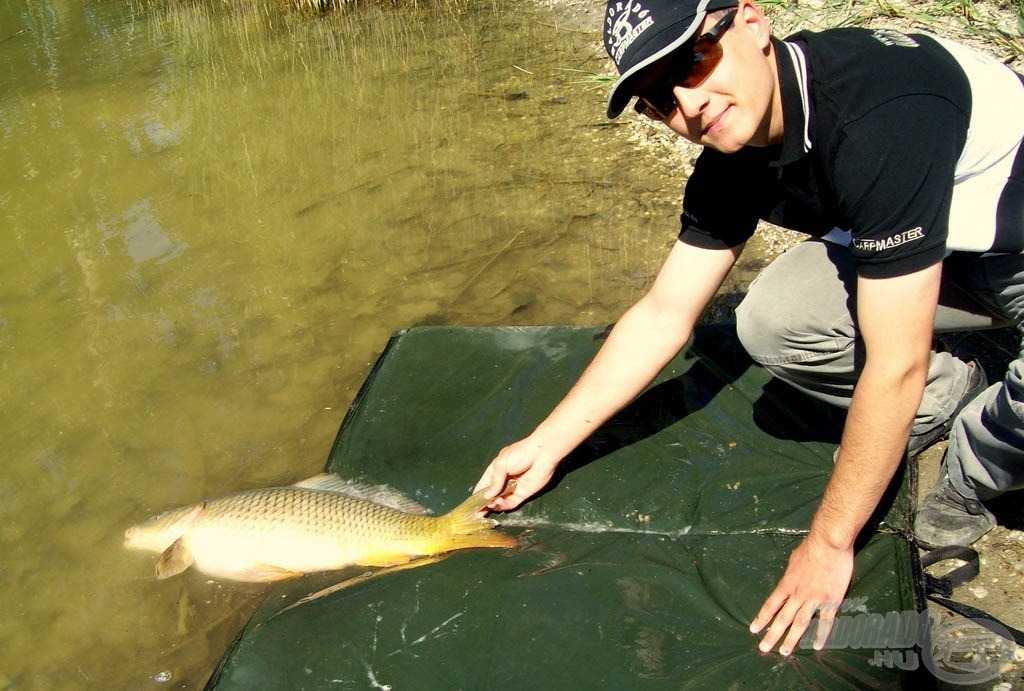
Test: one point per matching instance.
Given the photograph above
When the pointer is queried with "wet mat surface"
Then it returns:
(641, 567)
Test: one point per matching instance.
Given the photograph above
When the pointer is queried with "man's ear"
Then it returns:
(750, 17)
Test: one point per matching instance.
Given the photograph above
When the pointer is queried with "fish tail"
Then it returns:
(464, 518)
(465, 529)
(483, 538)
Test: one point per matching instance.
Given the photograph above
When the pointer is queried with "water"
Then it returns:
(212, 215)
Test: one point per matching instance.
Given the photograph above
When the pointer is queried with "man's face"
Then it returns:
(737, 105)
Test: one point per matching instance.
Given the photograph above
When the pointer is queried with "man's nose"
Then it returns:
(691, 102)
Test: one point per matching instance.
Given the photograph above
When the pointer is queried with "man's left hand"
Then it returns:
(816, 580)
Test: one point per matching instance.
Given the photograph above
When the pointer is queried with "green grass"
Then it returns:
(994, 25)
(591, 80)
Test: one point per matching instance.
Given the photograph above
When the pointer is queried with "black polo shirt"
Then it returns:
(906, 147)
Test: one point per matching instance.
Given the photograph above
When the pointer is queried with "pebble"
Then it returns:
(979, 592)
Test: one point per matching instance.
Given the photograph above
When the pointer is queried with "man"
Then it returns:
(904, 153)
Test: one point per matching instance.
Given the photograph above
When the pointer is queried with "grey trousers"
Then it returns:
(798, 321)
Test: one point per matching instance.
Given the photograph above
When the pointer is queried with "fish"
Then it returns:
(323, 523)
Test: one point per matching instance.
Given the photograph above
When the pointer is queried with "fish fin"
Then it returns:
(378, 494)
(467, 530)
(483, 538)
(465, 518)
(323, 481)
(174, 560)
(347, 583)
(265, 573)
(385, 559)
(365, 576)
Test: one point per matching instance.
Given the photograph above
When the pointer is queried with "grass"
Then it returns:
(996, 25)
(591, 80)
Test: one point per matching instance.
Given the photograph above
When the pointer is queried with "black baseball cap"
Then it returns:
(638, 33)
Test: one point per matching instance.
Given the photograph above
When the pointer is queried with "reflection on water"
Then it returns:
(213, 214)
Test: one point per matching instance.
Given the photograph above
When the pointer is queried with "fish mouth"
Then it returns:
(135, 538)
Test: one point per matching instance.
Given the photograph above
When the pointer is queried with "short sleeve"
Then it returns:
(720, 203)
(894, 173)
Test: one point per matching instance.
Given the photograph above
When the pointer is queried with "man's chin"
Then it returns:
(723, 147)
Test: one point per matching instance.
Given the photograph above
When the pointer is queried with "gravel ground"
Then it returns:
(999, 587)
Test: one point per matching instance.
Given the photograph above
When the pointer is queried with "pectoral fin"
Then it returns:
(265, 573)
(174, 560)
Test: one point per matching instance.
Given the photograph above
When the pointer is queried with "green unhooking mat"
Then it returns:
(642, 565)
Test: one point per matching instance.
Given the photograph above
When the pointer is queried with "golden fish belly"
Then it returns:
(247, 545)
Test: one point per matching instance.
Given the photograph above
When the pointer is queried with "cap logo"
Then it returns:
(623, 25)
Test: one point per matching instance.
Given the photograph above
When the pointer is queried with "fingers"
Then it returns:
(497, 474)
(495, 479)
(509, 465)
(518, 472)
(788, 614)
(816, 580)
(780, 609)
(500, 489)
(484, 481)
(768, 610)
(792, 621)
(826, 620)
(799, 623)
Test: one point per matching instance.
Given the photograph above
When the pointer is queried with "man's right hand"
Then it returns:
(642, 342)
(527, 462)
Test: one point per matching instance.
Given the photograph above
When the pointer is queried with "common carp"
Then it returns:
(320, 524)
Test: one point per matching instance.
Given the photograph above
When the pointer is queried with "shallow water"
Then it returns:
(213, 215)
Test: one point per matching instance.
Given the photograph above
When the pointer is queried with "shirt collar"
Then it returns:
(793, 82)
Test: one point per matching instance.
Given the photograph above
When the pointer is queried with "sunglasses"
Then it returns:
(656, 99)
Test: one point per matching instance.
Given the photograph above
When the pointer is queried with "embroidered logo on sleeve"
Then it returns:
(894, 38)
(624, 23)
(873, 245)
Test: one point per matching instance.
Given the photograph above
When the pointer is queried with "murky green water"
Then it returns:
(212, 215)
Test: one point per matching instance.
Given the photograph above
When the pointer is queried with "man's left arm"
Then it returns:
(895, 318)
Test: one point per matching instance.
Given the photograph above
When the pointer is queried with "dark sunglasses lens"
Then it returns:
(646, 109)
(706, 56)
(658, 100)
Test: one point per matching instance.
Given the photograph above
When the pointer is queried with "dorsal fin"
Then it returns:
(378, 494)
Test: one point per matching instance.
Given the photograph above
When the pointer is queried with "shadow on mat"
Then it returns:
(781, 411)
(668, 402)
(785, 412)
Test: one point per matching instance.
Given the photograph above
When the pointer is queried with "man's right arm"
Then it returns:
(642, 342)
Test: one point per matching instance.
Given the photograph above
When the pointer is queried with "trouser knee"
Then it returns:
(795, 321)
(760, 328)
